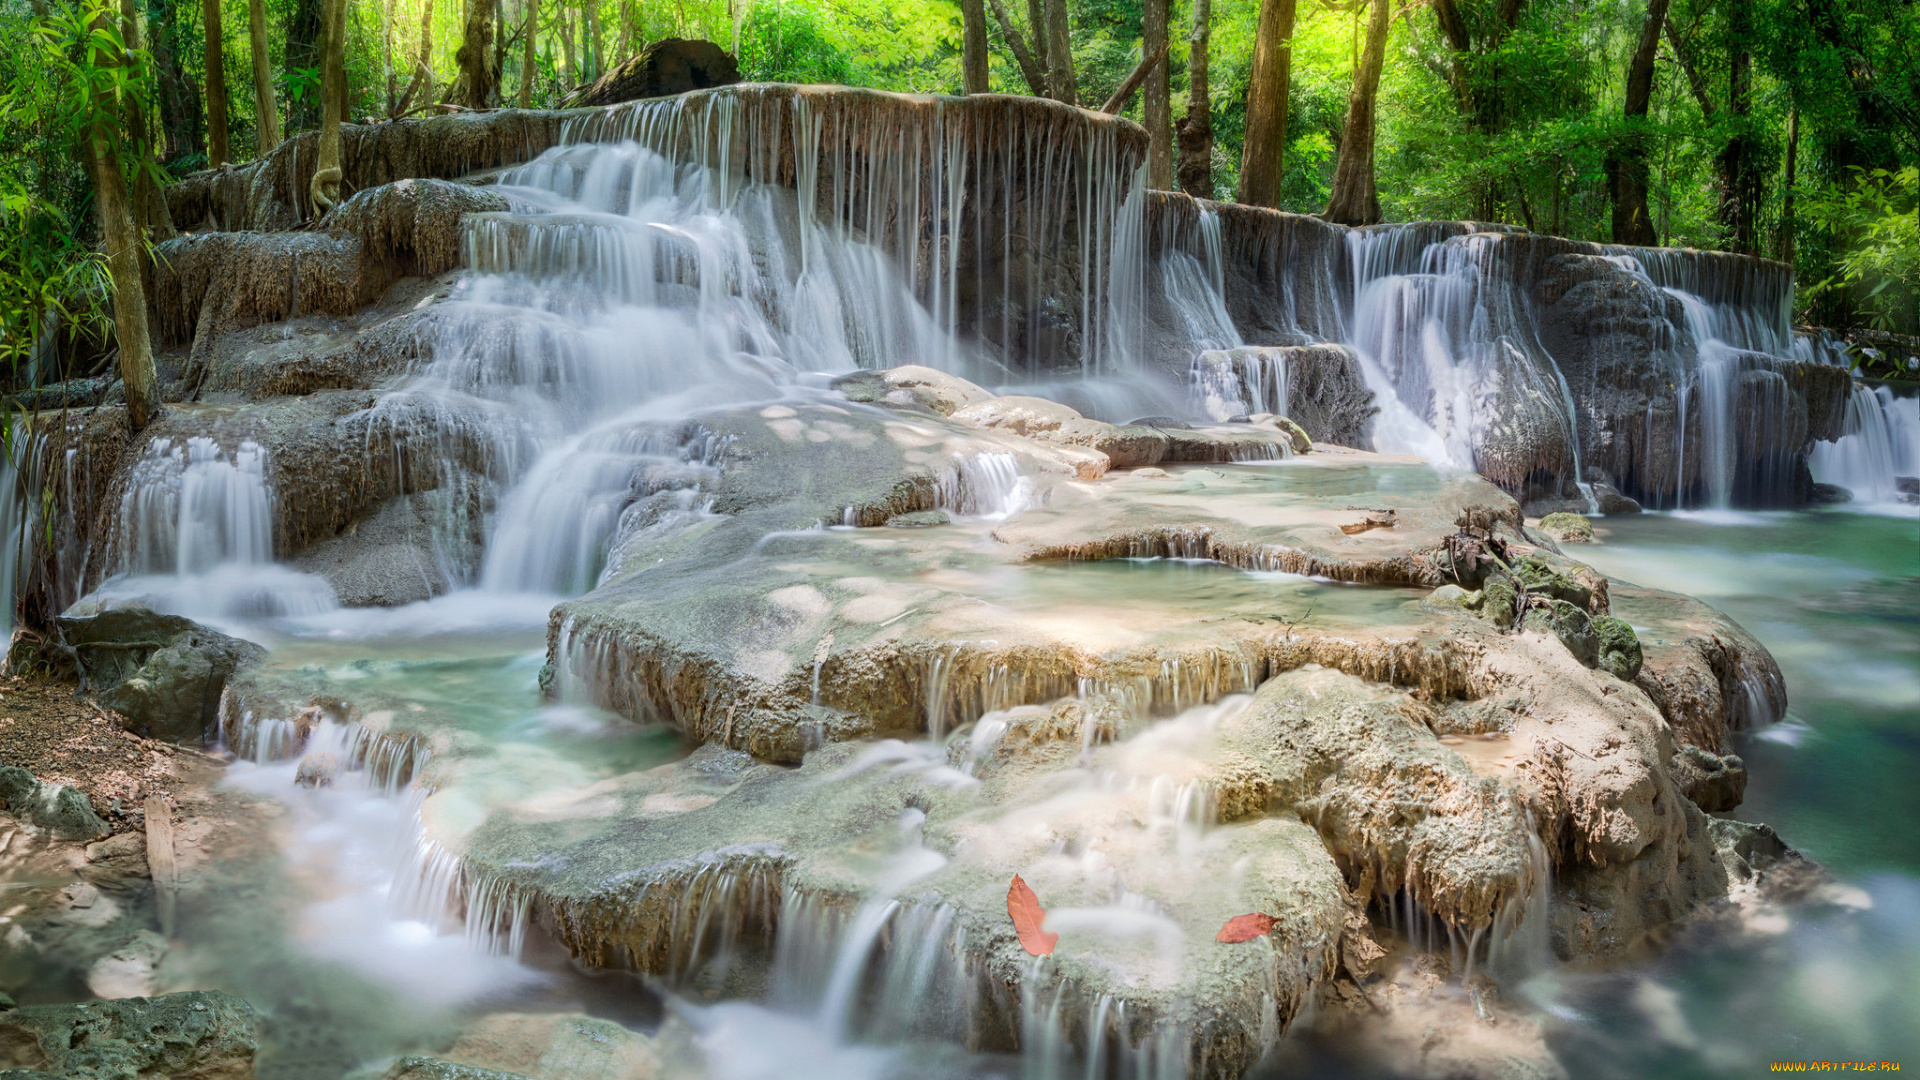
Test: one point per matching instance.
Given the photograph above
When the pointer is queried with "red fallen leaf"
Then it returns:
(1245, 928)
(1027, 915)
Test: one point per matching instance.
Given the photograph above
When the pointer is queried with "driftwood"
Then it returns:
(160, 859)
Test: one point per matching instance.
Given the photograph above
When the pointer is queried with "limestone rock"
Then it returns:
(1713, 782)
(1319, 389)
(920, 519)
(1567, 528)
(668, 66)
(161, 673)
(63, 811)
(417, 1067)
(1617, 647)
(194, 1035)
(1451, 597)
(912, 384)
(555, 1046)
(1019, 414)
(1610, 502)
(128, 971)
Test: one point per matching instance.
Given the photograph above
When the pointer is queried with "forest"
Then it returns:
(1783, 128)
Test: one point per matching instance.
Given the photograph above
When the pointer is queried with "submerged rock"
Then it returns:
(554, 1046)
(161, 673)
(194, 1035)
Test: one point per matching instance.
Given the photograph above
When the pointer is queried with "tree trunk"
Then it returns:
(477, 73)
(1195, 130)
(149, 205)
(1038, 27)
(1157, 110)
(328, 174)
(596, 64)
(178, 97)
(389, 79)
(529, 35)
(266, 118)
(1786, 207)
(1060, 77)
(216, 88)
(304, 33)
(1355, 200)
(626, 47)
(1031, 69)
(420, 88)
(1627, 166)
(973, 46)
(1740, 183)
(569, 73)
(122, 241)
(1262, 155)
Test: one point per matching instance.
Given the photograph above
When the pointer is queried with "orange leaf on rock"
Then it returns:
(1027, 917)
(1245, 928)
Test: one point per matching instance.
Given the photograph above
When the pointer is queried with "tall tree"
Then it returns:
(178, 97)
(1262, 154)
(1195, 130)
(302, 62)
(1740, 191)
(1157, 110)
(266, 117)
(1039, 26)
(1031, 69)
(1355, 200)
(1060, 76)
(973, 46)
(478, 75)
(590, 40)
(1627, 165)
(329, 174)
(529, 33)
(118, 233)
(149, 204)
(1480, 89)
(421, 87)
(216, 87)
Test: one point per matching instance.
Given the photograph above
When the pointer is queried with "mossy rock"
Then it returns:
(1451, 598)
(1539, 578)
(1568, 623)
(1499, 600)
(1619, 647)
(1567, 528)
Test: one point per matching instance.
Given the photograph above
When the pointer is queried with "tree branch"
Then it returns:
(1132, 82)
(1036, 80)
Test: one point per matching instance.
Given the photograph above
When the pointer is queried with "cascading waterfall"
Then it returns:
(1881, 444)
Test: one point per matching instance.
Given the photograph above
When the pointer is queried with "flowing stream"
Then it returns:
(625, 291)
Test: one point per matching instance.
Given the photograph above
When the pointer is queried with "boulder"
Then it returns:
(161, 673)
(1019, 414)
(63, 811)
(198, 1034)
(1568, 623)
(1829, 495)
(1567, 528)
(1618, 647)
(1608, 500)
(666, 67)
(1450, 598)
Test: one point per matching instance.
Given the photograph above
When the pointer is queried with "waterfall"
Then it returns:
(1882, 443)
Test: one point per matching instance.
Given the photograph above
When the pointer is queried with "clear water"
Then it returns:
(1836, 597)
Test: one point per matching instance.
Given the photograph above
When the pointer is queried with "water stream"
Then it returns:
(628, 289)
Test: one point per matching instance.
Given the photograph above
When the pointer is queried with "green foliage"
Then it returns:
(1879, 257)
